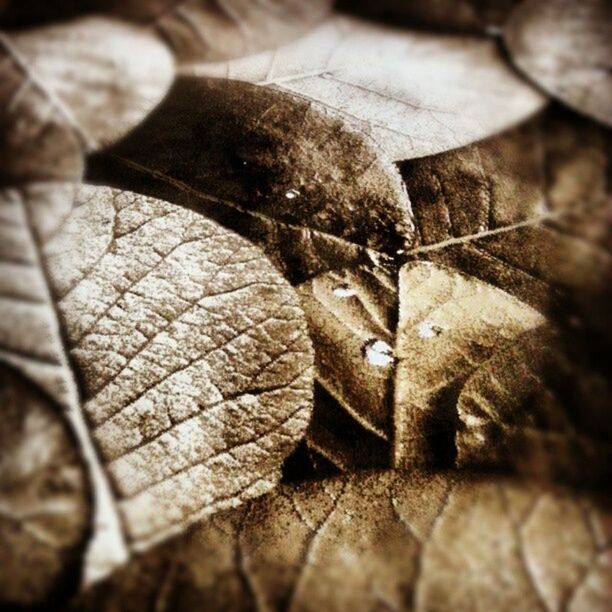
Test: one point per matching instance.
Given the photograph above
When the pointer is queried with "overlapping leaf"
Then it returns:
(415, 94)
(270, 166)
(192, 377)
(382, 541)
(566, 48)
(45, 118)
(205, 31)
(394, 352)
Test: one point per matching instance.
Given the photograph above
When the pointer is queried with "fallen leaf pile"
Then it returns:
(305, 305)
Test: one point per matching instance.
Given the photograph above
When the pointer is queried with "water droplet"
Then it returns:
(344, 291)
(292, 193)
(378, 353)
(427, 329)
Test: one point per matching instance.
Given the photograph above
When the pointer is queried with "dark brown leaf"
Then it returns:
(20, 13)
(538, 406)
(270, 166)
(446, 15)
(393, 350)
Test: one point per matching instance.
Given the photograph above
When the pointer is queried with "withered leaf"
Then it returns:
(19, 13)
(476, 16)
(210, 31)
(392, 350)
(566, 48)
(480, 211)
(44, 497)
(548, 167)
(382, 541)
(416, 94)
(537, 406)
(271, 166)
(180, 356)
(72, 87)
(520, 210)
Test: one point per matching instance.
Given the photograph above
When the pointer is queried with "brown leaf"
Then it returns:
(178, 353)
(539, 407)
(73, 87)
(393, 351)
(546, 168)
(566, 48)
(44, 496)
(476, 16)
(525, 211)
(210, 31)
(19, 13)
(382, 541)
(479, 211)
(270, 166)
(415, 94)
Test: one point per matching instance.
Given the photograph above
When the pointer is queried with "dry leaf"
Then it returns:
(192, 367)
(313, 194)
(478, 210)
(44, 496)
(445, 15)
(74, 86)
(416, 94)
(393, 353)
(382, 541)
(509, 211)
(538, 406)
(566, 47)
(200, 30)
(19, 13)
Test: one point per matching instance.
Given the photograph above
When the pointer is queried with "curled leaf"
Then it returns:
(415, 94)
(566, 48)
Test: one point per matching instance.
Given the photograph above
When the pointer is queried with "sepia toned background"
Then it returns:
(305, 305)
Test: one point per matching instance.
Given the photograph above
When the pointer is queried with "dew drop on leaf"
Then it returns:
(378, 353)
(344, 291)
(429, 330)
